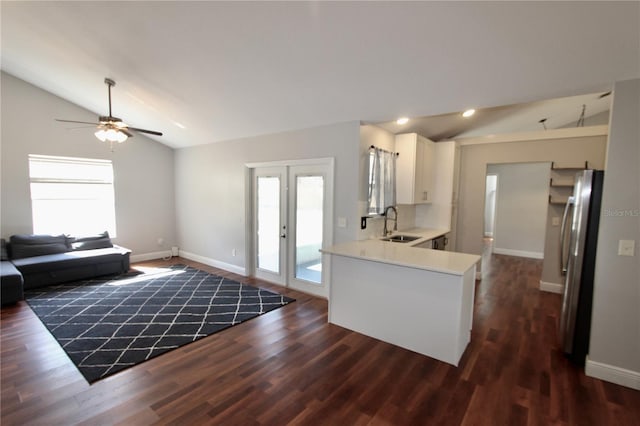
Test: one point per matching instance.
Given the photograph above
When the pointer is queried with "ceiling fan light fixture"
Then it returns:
(111, 135)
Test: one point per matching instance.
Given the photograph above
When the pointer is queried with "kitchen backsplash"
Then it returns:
(406, 220)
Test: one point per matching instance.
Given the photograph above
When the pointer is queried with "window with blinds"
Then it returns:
(72, 195)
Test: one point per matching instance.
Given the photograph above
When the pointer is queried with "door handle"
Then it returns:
(563, 229)
(283, 236)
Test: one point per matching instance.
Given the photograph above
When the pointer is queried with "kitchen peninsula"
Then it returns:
(416, 298)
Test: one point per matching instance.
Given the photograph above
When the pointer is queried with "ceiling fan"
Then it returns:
(112, 129)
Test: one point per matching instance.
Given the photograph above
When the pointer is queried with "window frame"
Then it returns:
(68, 177)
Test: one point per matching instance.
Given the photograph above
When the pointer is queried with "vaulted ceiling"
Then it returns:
(228, 70)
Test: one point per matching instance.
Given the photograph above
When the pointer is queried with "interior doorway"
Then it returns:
(291, 220)
(516, 214)
(490, 197)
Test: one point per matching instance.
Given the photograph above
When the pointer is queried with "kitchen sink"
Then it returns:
(401, 238)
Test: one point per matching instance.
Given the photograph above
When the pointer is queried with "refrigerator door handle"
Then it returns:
(563, 229)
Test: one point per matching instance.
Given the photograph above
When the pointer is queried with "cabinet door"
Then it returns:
(419, 193)
(414, 173)
(406, 168)
(427, 159)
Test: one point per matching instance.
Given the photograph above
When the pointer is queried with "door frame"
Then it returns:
(327, 239)
(495, 205)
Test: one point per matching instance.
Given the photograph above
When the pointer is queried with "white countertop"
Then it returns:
(404, 254)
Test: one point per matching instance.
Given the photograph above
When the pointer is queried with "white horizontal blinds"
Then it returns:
(71, 195)
(66, 169)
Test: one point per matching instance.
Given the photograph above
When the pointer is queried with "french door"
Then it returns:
(292, 221)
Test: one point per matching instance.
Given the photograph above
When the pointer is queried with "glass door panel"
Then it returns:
(268, 223)
(309, 227)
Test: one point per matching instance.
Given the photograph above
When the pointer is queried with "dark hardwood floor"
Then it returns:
(291, 367)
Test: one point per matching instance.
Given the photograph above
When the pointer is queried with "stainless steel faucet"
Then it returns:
(395, 220)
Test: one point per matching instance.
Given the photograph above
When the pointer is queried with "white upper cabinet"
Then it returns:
(414, 171)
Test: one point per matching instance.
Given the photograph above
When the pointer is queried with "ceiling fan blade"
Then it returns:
(80, 122)
(79, 127)
(124, 130)
(151, 132)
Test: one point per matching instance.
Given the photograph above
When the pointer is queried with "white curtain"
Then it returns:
(382, 180)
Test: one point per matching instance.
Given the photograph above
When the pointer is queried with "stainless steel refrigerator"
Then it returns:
(579, 239)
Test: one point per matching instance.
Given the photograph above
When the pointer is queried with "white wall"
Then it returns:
(521, 208)
(210, 187)
(614, 353)
(566, 146)
(143, 169)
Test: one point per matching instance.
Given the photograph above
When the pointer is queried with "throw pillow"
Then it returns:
(91, 242)
(37, 245)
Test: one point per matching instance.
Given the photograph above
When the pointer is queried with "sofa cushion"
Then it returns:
(37, 245)
(70, 259)
(92, 242)
(75, 265)
(11, 283)
(5, 254)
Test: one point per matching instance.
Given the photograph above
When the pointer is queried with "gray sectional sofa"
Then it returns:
(39, 260)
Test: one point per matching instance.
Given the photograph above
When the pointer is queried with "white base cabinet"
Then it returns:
(424, 311)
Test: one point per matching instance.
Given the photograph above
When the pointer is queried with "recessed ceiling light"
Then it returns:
(402, 120)
(468, 113)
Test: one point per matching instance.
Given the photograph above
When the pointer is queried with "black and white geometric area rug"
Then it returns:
(110, 324)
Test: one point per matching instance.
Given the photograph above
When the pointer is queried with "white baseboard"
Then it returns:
(519, 253)
(551, 287)
(149, 256)
(212, 262)
(610, 373)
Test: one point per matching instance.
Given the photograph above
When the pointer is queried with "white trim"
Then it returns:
(478, 275)
(574, 132)
(286, 163)
(519, 253)
(613, 374)
(149, 256)
(215, 263)
(250, 268)
(551, 287)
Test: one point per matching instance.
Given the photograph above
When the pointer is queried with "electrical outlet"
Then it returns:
(160, 241)
(233, 252)
(342, 222)
(555, 221)
(626, 247)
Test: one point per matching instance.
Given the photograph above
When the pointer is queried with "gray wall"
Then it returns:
(475, 158)
(521, 208)
(210, 187)
(143, 169)
(615, 330)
